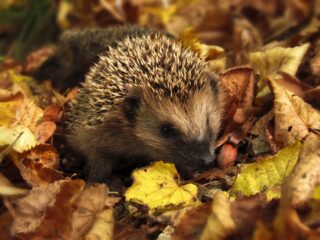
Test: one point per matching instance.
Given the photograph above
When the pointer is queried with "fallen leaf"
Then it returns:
(38, 165)
(45, 212)
(267, 64)
(266, 172)
(158, 187)
(192, 223)
(52, 113)
(301, 183)
(261, 143)
(21, 136)
(238, 84)
(9, 104)
(220, 223)
(214, 55)
(44, 131)
(91, 202)
(292, 116)
(102, 228)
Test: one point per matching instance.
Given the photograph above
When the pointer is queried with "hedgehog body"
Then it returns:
(148, 98)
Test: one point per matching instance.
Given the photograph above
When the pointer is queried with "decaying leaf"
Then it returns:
(102, 228)
(21, 136)
(33, 213)
(90, 205)
(9, 104)
(301, 183)
(266, 172)
(44, 131)
(63, 210)
(220, 223)
(267, 64)
(158, 187)
(261, 143)
(239, 86)
(292, 116)
(38, 165)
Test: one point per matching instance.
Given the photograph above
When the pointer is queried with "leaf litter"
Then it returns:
(268, 148)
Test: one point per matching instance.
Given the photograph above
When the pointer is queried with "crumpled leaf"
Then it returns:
(261, 144)
(268, 63)
(301, 183)
(158, 187)
(293, 117)
(90, 205)
(102, 228)
(9, 105)
(38, 165)
(266, 172)
(33, 214)
(21, 136)
(220, 222)
(17, 107)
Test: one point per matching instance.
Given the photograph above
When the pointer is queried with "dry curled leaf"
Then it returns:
(301, 183)
(292, 116)
(220, 223)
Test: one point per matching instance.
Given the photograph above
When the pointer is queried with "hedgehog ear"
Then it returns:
(131, 104)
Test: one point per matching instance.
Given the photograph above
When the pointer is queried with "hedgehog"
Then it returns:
(146, 98)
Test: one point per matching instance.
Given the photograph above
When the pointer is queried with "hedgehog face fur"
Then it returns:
(148, 98)
(181, 132)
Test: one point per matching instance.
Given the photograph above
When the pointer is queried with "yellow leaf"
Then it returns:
(158, 187)
(268, 63)
(215, 55)
(316, 193)
(21, 137)
(267, 172)
(293, 117)
(18, 78)
(9, 106)
(165, 14)
(220, 223)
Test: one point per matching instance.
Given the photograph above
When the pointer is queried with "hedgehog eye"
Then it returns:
(168, 130)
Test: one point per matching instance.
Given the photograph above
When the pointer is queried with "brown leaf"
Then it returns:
(220, 223)
(91, 202)
(293, 117)
(44, 131)
(246, 38)
(46, 212)
(192, 224)
(293, 84)
(239, 86)
(301, 183)
(52, 113)
(37, 166)
(36, 58)
(124, 231)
